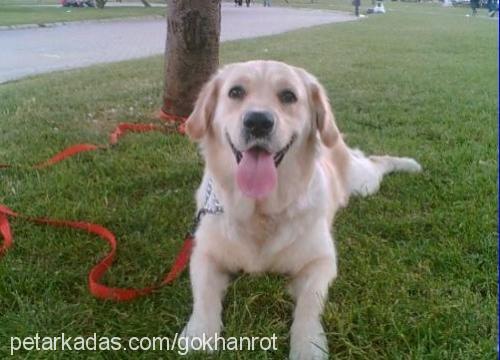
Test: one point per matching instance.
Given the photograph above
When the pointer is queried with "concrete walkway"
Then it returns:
(40, 50)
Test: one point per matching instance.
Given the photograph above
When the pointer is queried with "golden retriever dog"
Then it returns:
(276, 171)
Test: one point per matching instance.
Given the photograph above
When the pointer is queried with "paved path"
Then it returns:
(39, 50)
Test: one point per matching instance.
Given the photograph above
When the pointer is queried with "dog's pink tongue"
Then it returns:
(256, 175)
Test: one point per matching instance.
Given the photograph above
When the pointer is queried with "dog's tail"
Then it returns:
(387, 164)
(366, 173)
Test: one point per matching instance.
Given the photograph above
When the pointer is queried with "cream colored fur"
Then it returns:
(288, 232)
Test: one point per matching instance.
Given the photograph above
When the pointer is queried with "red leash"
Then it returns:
(118, 132)
(97, 272)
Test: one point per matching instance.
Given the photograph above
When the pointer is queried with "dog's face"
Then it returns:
(256, 119)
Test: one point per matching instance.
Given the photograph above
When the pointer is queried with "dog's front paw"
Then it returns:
(308, 342)
(309, 349)
(199, 335)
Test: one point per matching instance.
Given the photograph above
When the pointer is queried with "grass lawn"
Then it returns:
(12, 14)
(417, 261)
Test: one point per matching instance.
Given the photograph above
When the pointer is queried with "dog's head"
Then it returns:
(259, 123)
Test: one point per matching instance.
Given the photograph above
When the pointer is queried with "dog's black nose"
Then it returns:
(258, 123)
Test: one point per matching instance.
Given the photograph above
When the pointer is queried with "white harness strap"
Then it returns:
(211, 206)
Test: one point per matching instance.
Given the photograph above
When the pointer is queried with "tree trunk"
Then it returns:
(191, 53)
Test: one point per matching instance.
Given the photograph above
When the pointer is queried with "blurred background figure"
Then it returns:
(78, 3)
(492, 7)
(379, 7)
(474, 4)
(357, 4)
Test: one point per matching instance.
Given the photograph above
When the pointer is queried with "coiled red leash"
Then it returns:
(96, 288)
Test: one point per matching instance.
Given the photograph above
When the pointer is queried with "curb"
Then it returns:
(65, 23)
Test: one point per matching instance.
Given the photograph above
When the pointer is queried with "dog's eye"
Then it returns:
(287, 97)
(237, 92)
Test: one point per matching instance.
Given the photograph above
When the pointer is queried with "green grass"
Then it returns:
(16, 15)
(417, 260)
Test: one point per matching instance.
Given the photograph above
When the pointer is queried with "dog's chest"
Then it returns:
(257, 243)
(261, 229)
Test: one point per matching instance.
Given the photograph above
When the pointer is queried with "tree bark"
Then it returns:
(191, 52)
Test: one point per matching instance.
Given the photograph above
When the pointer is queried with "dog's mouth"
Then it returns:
(257, 174)
(277, 157)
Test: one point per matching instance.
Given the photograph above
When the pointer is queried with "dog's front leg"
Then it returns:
(310, 289)
(208, 283)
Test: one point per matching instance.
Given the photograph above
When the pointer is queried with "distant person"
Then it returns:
(240, 2)
(474, 4)
(267, 2)
(492, 7)
(78, 3)
(379, 7)
(357, 4)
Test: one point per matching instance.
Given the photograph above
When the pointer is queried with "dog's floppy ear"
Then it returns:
(321, 110)
(204, 108)
(325, 120)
